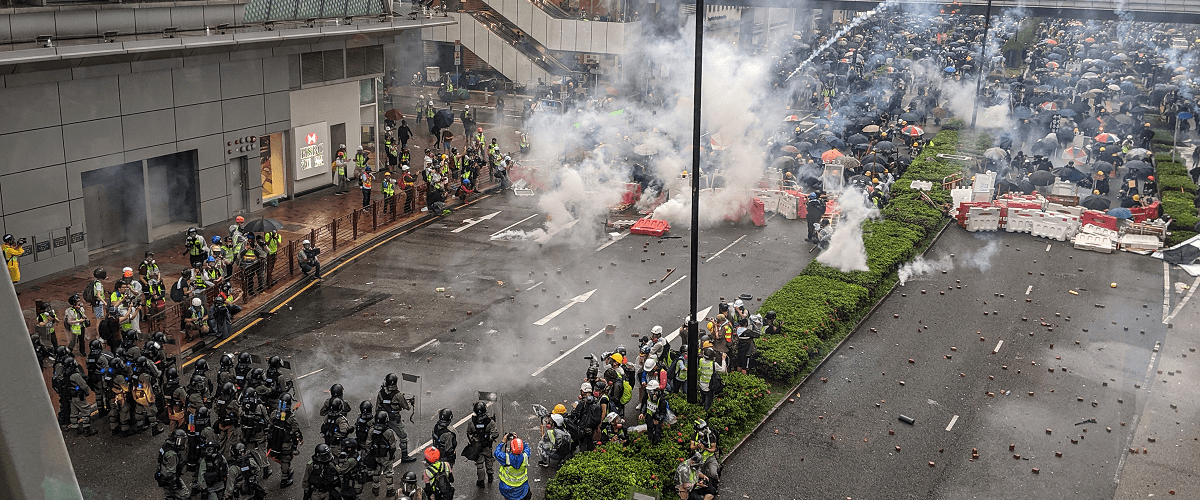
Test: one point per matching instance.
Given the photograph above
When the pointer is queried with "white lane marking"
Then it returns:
(318, 370)
(417, 452)
(997, 349)
(724, 249)
(1185, 300)
(467, 223)
(699, 317)
(422, 346)
(535, 285)
(952, 421)
(1136, 416)
(543, 239)
(1166, 291)
(566, 353)
(660, 292)
(1030, 289)
(1048, 247)
(514, 224)
(615, 239)
(578, 299)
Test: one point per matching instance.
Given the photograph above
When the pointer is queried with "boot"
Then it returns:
(91, 431)
(404, 457)
(479, 483)
(375, 490)
(391, 492)
(158, 429)
(286, 480)
(491, 478)
(266, 471)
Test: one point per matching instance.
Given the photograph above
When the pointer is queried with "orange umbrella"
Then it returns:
(828, 156)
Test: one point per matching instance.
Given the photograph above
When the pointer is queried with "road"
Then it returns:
(382, 312)
(998, 357)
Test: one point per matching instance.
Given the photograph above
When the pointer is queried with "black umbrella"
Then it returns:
(910, 117)
(1007, 186)
(262, 225)
(1069, 174)
(885, 146)
(1102, 166)
(877, 168)
(1096, 202)
(1041, 178)
(875, 158)
(1022, 112)
(1140, 169)
(1043, 147)
(1025, 186)
(836, 143)
(861, 180)
(857, 139)
(443, 119)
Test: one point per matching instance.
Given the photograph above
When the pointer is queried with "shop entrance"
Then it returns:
(114, 205)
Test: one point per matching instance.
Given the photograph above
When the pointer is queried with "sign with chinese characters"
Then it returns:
(312, 150)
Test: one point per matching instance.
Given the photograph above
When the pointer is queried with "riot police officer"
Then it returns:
(171, 465)
(212, 478)
(335, 392)
(254, 428)
(244, 468)
(480, 439)
(444, 439)
(366, 419)
(321, 479)
(336, 427)
(380, 452)
(284, 438)
(391, 400)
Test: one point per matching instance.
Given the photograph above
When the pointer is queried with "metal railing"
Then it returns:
(281, 269)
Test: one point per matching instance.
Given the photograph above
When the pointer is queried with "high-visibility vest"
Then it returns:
(389, 187)
(429, 112)
(366, 181)
(195, 245)
(706, 370)
(468, 116)
(77, 328)
(433, 470)
(409, 180)
(273, 240)
(728, 332)
(480, 138)
(515, 476)
(360, 159)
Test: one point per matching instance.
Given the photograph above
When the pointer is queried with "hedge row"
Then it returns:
(1178, 198)
(818, 308)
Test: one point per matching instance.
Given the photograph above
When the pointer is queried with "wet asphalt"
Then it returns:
(382, 312)
(933, 352)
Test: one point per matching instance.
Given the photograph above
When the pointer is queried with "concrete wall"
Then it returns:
(333, 104)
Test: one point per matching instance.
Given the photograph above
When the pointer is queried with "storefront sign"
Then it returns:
(312, 150)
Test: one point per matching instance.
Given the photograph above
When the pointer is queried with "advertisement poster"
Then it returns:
(312, 150)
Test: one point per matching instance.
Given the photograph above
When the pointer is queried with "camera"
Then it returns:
(21, 242)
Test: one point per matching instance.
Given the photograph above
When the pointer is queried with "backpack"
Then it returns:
(447, 442)
(626, 391)
(177, 291)
(89, 293)
(163, 482)
(442, 488)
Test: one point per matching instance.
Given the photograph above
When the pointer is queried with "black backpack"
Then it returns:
(89, 293)
(443, 489)
(177, 291)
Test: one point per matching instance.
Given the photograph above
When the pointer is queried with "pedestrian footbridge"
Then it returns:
(1178, 11)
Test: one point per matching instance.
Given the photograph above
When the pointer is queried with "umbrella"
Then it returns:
(861, 180)
(877, 168)
(910, 117)
(857, 139)
(871, 129)
(836, 143)
(885, 146)
(1140, 168)
(647, 149)
(847, 162)
(1022, 112)
(1121, 213)
(262, 225)
(1006, 186)
(828, 156)
(790, 149)
(1052, 65)
(1041, 178)
(1043, 147)
(1025, 186)
(1102, 166)
(1107, 138)
(1069, 174)
(1068, 112)
(1051, 41)
(1137, 153)
(1075, 153)
(393, 115)
(912, 131)
(949, 69)
(792, 118)
(995, 154)
(443, 118)
(1096, 202)
(1049, 106)
(1113, 88)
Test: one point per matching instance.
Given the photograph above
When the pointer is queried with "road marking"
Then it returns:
(422, 346)
(578, 299)
(467, 223)
(331, 271)
(1187, 297)
(1136, 415)
(318, 370)
(514, 224)
(1048, 247)
(1166, 291)
(567, 353)
(997, 349)
(952, 421)
(1030, 289)
(615, 239)
(546, 237)
(724, 249)
(535, 285)
(699, 317)
(660, 292)
(426, 444)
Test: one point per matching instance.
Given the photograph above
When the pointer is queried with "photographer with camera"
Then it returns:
(308, 259)
(13, 248)
(513, 459)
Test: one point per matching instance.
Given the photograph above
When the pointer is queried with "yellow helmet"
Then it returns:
(616, 356)
(706, 344)
(559, 409)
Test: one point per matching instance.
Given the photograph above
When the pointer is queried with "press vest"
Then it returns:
(515, 476)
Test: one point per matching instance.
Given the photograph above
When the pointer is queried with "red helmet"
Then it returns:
(517, 445)
(480, 130)
(240, 219)
(432, 454)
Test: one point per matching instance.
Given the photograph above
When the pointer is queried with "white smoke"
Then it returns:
(846, 251)
(982, 258)
(518, 235)
(920, 266)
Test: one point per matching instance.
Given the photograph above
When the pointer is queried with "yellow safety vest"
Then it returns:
(273, 240)
(389, 187)
(515, 476)
(706, 371)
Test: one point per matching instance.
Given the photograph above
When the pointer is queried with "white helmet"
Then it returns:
(431, 103)
(196, 302)
(657, 330)
(305, 242)
(650, 364)
(652, 385)
(738, 303)
(586, 387)
(557, 419)
(611, 417)
(466, 106)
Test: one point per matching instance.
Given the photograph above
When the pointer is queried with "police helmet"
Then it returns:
(480, 408)
(445, 415)
(227, 360)
(239, 449)
(201, 365)
(349, 444)
(382, 418)
(336, 405)
(143, 362)
(96, 345)
(390, 380)
(73, 299)
(335, 391)
(202, 415)
(366, 408)
(258, 374)
(410, 477)
(245, 358)
(275, 362)
(198, 380)
(228, 389)
(159, 337)
(322, 453)
(178, 439)
(212, 449)
(172, 375)
(100, 273)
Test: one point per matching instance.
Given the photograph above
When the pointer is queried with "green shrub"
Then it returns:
(608, 473)
(1181, 208)
(782, 357)
(954, 124)
(1180, 183)
(665, 456)
(1178, 237)
(812, 304)
(735, 412)
(1165, 166)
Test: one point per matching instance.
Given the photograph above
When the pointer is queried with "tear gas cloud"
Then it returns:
(846, 252)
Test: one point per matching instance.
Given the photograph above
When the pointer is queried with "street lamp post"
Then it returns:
(987, 23)
(693, 364)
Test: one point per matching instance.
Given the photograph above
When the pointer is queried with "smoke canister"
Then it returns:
(907, 419)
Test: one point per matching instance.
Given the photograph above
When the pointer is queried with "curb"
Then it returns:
(778, 405)
(283, 295)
